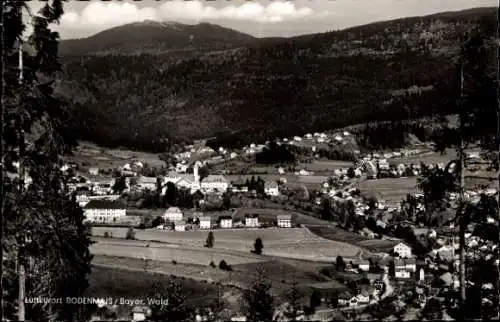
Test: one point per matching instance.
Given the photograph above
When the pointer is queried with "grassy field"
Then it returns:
(312, 179)
(167, 252)
(282, 242)
(104, 158)
(123, 283)
(269, 214)
(391, 190)
(325, 166)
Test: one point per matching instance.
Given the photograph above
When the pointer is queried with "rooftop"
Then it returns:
(105, 204)
(215, 178)
(173, 210)
(284, 217)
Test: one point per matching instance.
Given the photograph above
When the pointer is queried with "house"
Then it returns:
(214, 183)
(252, 221)
(239, 186)
(363, 298)
(104, 211)
(271, 188)
(94, 171)
(205, 222)
(226, 222)
(402, 274)
(363, 265)
(409, 264)
(179, 225)
(173, 214)
(139, 313)
(147, 183)
(284, 221)
(403, 250)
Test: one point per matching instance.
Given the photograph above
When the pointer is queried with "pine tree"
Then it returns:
(210, 240)
(43, 229)
(172, 308)
(259, 301)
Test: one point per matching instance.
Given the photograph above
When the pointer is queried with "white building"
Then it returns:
(271, 188)
(226, 222)
(102, 188)
(214, 183)
(94, 171)
(146, 183)
(284, 221)
(403, 250)
(251, 221)
(181, 180)
(179, 225)
(104, 211)
(173, 214)
(403, 274)
(205, 222)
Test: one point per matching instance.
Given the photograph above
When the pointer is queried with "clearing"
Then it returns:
(283, 242)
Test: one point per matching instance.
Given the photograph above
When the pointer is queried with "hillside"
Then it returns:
(390, 70)
(155, 38)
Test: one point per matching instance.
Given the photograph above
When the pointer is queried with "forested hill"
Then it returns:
(267, 88)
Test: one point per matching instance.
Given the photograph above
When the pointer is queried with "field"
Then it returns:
(390, 190)
(312, 179)
(119, 283)
(269, 214)
(282, 242)
(167, 252)
(325, 166)
(91, 155)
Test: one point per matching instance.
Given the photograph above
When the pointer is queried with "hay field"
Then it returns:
(284, 242)
(167, 253)
(390, 189)
(312, 179)
(325, 166)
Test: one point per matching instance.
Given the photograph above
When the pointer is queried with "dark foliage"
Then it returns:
(281, 88)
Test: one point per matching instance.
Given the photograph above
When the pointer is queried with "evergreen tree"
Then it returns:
(120, 185)
(259, 301)
(293, 297)
(258, 246)
(210, 240)
(174, 309)
(43, 229)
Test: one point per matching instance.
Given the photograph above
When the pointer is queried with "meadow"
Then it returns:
(325, 165)
(283, 242)
(389, 189)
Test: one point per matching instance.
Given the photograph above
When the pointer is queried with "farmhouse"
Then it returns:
(403, 250)
(205, 222)
(271, 188)
(94, 171)
(173, 214)
(104, 211)
(252, 221)
(226, 222)
(102, 187)
(284, 221)
(179, 225)
(409, 265)
(146, 183)
(239, 186)
(214, 183)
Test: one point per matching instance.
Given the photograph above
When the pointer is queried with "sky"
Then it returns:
(263, 18)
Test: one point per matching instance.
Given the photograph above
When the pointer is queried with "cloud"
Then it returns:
(98, 15)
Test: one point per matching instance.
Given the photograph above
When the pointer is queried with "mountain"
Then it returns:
(155, 37)
(258, 89)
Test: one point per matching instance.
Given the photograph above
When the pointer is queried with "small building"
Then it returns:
(205, 222)
(173, 214)
(104, 211)
(363, 265)
(284, 221)
(252, 221)
(409, 264)
(402, 274)
(94, 171)
(239, 186)
(179, 225)
(139, 313)
(226, 222)
(147, 183)
(271, 188)
(214, 183)
(403, 250)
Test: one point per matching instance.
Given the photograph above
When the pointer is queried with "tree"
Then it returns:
(157, 221)
(293, 298)
(259, 301)
(174, 309)
(171, 193)
(258, 246)
(339, 264)
(210, 240)
(120, 185)
(350, 173)
(43, 231)
(315, 300)
(326, 211)
(130, 233)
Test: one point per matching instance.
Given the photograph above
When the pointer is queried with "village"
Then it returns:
(388, 237)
